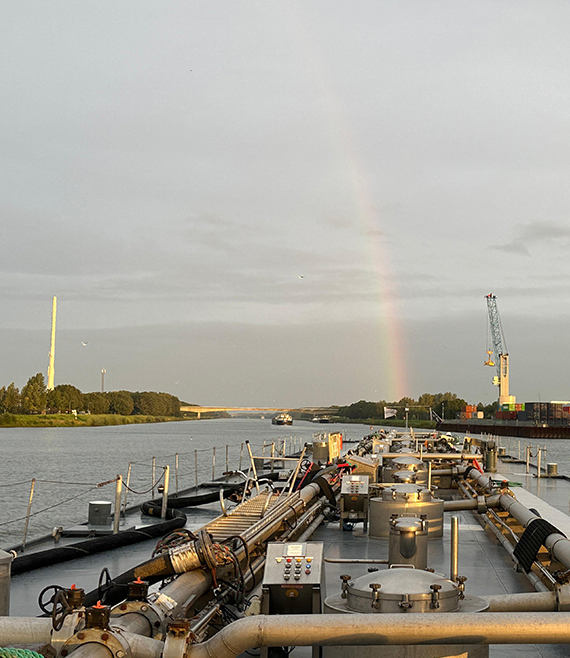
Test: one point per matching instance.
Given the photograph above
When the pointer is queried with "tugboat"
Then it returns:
(282, 419)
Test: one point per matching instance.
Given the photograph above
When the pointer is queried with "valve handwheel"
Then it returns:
(46, 598)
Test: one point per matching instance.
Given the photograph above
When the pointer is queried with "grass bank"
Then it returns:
(391, 422)
(87, 420)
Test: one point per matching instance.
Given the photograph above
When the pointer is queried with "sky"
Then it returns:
(285, 203)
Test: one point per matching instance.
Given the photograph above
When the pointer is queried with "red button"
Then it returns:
(288, 559)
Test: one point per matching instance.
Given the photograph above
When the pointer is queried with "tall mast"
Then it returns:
(51, 366)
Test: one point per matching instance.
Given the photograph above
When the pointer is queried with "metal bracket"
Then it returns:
(111, 639)
(563, 598)
(481, 505)
(152, 613)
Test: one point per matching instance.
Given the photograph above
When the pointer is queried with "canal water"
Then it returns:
(69, 463)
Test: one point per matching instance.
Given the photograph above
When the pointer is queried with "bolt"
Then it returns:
(435, 588)
(64, 652)
(157, 624)
(144, 608)
(80, 636)
(123, 606)
(120, 654)
(105, 637)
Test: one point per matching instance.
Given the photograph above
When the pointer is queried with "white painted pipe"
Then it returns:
(525, 602)
(386, 629)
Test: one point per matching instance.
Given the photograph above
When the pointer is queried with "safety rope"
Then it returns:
(10, 652)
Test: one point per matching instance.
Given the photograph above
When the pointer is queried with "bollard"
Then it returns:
(165, 492)
(127, 487)
(117, 515)
(5, 567)
(28, 514)
(176, 471)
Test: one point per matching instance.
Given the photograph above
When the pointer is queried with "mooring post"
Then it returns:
(176, 471)
(196, 468)
(33, 484)
(165, 492)
(127, 487)
(118, 493)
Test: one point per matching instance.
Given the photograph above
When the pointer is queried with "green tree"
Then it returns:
(121, 402)
(96, 403)
(34, 395)
(69, 397)
(12, 399)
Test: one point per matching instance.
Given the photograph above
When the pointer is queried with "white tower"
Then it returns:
(51, 366)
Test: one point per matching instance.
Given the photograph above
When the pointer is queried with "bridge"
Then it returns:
(199, 410)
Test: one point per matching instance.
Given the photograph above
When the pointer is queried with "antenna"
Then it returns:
(51, 365)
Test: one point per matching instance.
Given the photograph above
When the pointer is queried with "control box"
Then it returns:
(293, 581)
(354, 499)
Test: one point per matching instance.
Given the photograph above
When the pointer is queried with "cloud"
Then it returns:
(533, 234)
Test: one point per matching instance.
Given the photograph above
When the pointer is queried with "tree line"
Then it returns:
(64, 398)
(445, 405)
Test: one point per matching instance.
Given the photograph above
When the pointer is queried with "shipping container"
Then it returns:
(512, 407)
(504, 407)
(518, 407)
(499, 415)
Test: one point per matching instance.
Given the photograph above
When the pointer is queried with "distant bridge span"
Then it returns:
(198, 410)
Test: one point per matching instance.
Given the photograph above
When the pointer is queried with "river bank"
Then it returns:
(81, 420)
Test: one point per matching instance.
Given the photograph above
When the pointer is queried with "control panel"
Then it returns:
(354, 484)
(354, 491)
(293, 580)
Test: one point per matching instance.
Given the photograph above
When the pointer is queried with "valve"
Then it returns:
(345, 580)
(97, 616)
(138, 590)
(375, 587)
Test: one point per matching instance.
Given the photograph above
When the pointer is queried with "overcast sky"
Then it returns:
(290, 203)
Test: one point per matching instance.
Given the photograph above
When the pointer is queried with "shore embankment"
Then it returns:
(81, 420)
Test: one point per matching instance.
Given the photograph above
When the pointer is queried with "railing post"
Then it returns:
(213, 463)
(454, 548)
(127, 487)
(272, 455)
(538, 461)
(176, 471)
(240, 456)
(118, 492)
(227, 459)
(285, 447)
(33, 484)
(165, 492)
(196, 468)
(153, 475)
(528, 459)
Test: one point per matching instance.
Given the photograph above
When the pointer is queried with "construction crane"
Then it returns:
(499, 348)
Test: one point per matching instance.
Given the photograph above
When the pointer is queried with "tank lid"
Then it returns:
(407, 524)
(405, 476)
(399, 584)
(408, 461)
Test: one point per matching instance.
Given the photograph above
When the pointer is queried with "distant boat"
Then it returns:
(282, 419)
(321, 419)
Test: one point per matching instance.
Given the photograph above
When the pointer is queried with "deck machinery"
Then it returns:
(255, 576)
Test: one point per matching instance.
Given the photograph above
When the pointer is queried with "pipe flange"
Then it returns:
(481, 505)
(72, 623)
(563, 598)
(147, 610)
(175, 643)
(111, 639)
(205, 549)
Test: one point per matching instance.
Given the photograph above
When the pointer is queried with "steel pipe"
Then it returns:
(24, 630)
(454, 550)
(526, 602)
(388, 629)
(140, 647)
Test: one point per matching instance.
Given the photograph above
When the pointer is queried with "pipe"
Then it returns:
(387, 629)
(526, 602)
(454, 559)
(141, 647)
(470, 504)
(24, 630)
(307, 534)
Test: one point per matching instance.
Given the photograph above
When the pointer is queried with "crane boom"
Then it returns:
(500, 349)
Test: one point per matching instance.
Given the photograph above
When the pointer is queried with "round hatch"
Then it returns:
(409, 463)
(409, 492)
(402, 590)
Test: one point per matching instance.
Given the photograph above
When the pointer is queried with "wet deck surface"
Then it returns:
(482, 559)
